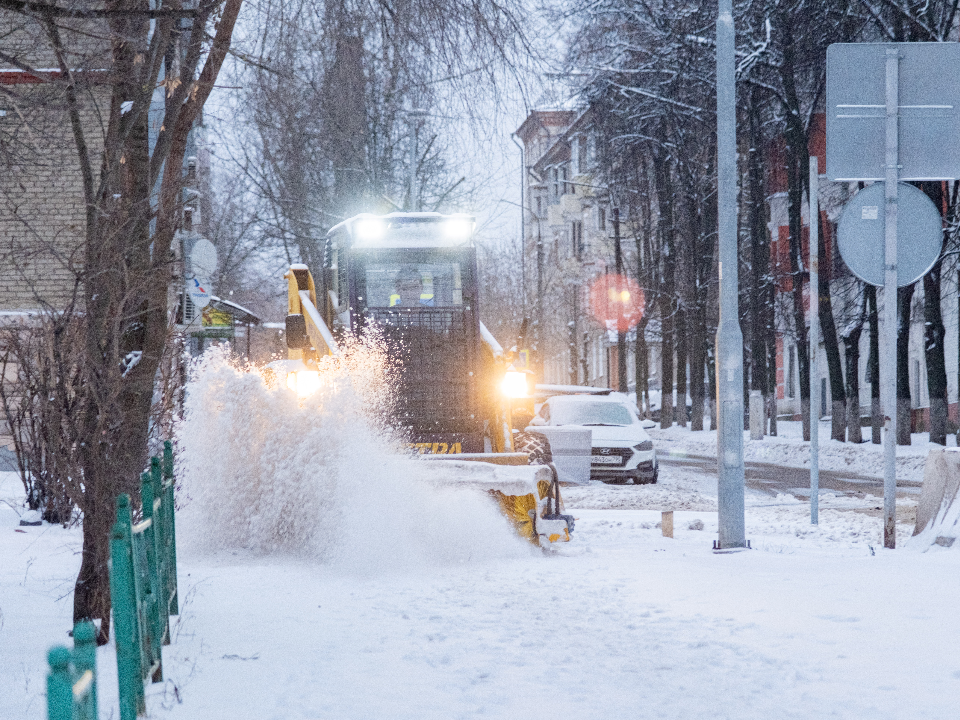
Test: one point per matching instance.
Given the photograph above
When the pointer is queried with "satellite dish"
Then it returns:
(198, 289)
(203, 259)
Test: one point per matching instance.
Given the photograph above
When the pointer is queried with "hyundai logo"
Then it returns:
(606, 451)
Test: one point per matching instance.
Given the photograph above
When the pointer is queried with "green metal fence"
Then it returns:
(143, 592)
(72, 682)
(143, 583)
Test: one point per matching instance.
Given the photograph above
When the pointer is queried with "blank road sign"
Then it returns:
(929, 111)
(861, 237)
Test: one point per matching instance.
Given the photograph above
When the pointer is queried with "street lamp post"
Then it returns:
(730, 491)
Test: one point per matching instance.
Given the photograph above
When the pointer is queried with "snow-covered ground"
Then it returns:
(439, 612)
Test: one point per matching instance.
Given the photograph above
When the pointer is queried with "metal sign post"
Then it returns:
(904, 97)
(814, 238)
(730, 491)
(888, 353)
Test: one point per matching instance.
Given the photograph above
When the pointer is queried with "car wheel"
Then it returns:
(535, 445)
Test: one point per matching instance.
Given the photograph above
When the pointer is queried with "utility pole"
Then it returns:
(621, 335)
(730, 491)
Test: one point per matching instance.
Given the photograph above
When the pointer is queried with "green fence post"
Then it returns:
(85, 658)
(160, 550)
(151, 599)
(172, 600)
(59, 685)
(126, 628)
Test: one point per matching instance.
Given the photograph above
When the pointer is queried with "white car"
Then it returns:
(622, 449)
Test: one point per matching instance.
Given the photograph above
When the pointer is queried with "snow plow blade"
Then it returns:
(528, 495)
(517, 458)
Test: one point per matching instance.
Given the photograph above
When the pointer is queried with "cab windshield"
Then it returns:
(413, 284)
(589, 413)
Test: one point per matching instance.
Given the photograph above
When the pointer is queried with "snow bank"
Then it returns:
(938, 511)
(268, 473)
(789, 449)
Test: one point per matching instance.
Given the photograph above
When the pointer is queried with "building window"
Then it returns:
(601, 218)
(555, 190)
(567, 187)
(576, 232)
(539, 201)
(582, 162)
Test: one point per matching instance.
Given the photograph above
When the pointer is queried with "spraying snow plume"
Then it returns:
(320, 476)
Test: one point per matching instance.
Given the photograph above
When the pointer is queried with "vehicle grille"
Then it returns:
(432, 352)
(624, 454)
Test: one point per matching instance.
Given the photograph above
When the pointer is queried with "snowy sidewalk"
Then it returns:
(788, 448)
(619, 623)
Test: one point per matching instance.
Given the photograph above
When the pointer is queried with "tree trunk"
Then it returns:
(798, 164)
(712, 382)
(799, 319)
(91, 595)
(852, 343)
(772, 381)
(697, 359)
(759, 255)
(934, 335)
(873, 364)
(667, 290)
(682, 341)
(641, 362)
(829, 331)
(904, 301)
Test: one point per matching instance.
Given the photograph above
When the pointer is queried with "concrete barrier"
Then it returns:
(938, 510)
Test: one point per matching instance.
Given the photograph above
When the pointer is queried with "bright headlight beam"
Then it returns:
(369, 229)
(514, 384)
(304, 382)
(457, 229)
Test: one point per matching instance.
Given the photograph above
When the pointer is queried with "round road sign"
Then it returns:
(860, 234)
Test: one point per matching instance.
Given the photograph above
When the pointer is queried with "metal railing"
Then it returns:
(72, 682)
(143, 583)
(143, 593)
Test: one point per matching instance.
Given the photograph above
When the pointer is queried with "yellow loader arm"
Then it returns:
(308, 336)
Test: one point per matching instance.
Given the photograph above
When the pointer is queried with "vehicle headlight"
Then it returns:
(514, 384)
(370, 229)
(458, 229)
(304, 382)
(644, 446)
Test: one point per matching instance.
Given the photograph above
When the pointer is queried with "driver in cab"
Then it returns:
(409, 289)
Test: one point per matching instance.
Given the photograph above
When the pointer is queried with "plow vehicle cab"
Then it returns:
(411, 278)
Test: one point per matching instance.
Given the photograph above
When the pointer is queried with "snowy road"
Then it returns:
(619, 623)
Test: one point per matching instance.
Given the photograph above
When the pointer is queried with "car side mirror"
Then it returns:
(537, 421)
(646, 424)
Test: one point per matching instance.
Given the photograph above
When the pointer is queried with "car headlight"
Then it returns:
(644, 446)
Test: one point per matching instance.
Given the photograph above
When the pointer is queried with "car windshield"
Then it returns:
(590, 413)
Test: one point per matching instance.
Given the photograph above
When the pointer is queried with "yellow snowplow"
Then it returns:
(412, 277)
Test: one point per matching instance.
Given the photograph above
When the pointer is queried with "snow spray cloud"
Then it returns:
(319, 477)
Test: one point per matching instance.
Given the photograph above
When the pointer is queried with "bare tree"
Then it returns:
(113, 61)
